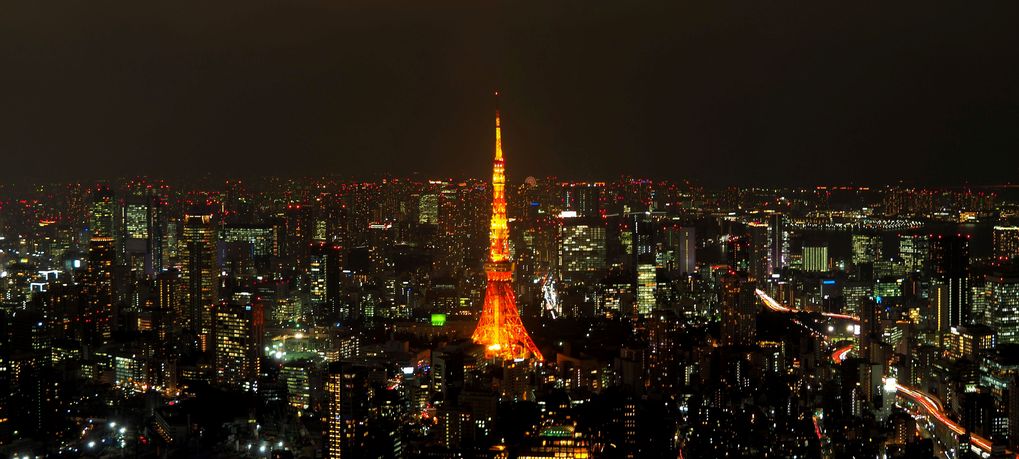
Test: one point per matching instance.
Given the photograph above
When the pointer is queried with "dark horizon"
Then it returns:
(720, 94)
(214, 180)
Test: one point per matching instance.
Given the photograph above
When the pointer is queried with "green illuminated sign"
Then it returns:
(438, 320)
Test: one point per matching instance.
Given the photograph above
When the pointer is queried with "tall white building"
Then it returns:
(815, 258)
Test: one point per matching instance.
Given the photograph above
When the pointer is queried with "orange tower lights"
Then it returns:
(499, 328)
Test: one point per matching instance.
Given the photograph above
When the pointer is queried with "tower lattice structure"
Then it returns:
(499, 328)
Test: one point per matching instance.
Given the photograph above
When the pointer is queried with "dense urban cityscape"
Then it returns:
(509, 229)
(631, 318)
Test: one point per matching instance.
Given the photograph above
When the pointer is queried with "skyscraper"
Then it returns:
(866, 248)
(157, 233)
(348, 396)
(1003, 307)
(759, 251)
(323, 272)
(261, 238)
(739, 310)
(914, 251)
(237, 332)
(199, 272)
(642, 240)
(779, 240)
(583, 198)
(135, 234)
(300, 228)
(136, 220)
(815, 258)
(499, 328)
(950, 259)
(428, 209)
(646, 285)
(101, 212)
(940, 309)
(581, 251)
(1006, 242)
(168, 289)
(681, 245)
(98, 320)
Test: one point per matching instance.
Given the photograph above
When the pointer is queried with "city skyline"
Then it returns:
(416, 319)
(288, 230)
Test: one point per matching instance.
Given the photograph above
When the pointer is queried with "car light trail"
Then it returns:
(931, 404)
(774, 305)
(840, 354)
(770, 302)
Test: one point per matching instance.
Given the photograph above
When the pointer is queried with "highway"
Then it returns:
(929, 403)
(840, 354)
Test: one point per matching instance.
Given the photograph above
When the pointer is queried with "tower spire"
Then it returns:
(499, 328)
(498, 231)
(498, 130)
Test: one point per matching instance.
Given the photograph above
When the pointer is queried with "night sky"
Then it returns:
(722, 93)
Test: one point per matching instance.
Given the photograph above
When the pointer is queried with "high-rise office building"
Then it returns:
(581, 251)
(99, 315)
(168, 296)
(101, 212)
(980, 300)
(950, 260)
(1003, 305)
(428, 209)
(584, 199)
(5, 377)
(300, 228)
(323, 272)
(348, 397)
(886, 288)
(646, 285)
(940, 309)
(238, 332)
(136, 220)
(134, 241)
(642, 238)
(739, 310)
(320, 230)
(297, 375)
(261, 237)
(1006, 242)
(779, 240)
(815, 257)
(199, 272)
(680, 244)
(854, 294)
(866, 248)
(759, 251)
(915, 251)
(157, 234)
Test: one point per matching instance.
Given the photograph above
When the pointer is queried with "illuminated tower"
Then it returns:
(499, 328)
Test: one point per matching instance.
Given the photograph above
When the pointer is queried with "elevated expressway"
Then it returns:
(923, 405)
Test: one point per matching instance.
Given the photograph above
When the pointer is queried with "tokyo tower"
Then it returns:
(499, 328)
